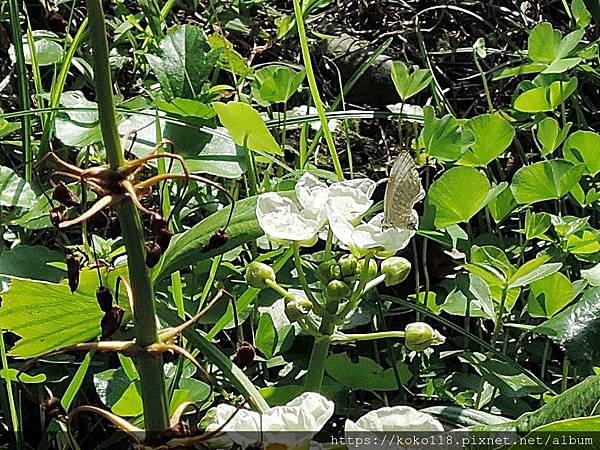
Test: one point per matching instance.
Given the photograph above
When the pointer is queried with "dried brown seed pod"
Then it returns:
(153, 253)
(163, 238)
(219, 238)
(53, 409)
(58, 214)
(111, 321)
(244, 357)
(74, 261)
(64, 195)
(104, 298)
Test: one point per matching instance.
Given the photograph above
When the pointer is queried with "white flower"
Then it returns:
(281, 220)
(284, 427)
(396, 419)
(370, 235)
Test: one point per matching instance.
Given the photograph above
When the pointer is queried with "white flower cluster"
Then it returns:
(340, 205)
(302, 418)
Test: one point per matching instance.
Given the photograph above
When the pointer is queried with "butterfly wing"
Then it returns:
(402, 192)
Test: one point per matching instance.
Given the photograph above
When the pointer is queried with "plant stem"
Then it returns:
(316, 365)
(347, 338)
(12, 410)
(150, 367)
(302, 276)
(23, 85)
(314, 90)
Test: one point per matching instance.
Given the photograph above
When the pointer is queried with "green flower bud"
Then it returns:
(296, 306)
(420, 336)
(395, 269)
(372, 268)
(327, 270)
(337, 290)
(258, 273)
(348, 265)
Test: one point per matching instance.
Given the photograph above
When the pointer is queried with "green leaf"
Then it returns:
(536, 224)
(573, 321)
(442, 137)
(14, 376)
(592, 275)
(545, 98)
(584, 147)
(543, 43)
(533, 270)
(493, 134)
(185, 107)
(184, 62)
(220, 157)
(580, 13)
(48, 316)
(576, 426)
(407, 82)
(266, 336)
(23, 261)
(77, 128)
(229, 58)
(276, 84)
(459, 194)
(523, 69)
(243, 122)
(549, 295)
(47, 51)
(501, 206)
(545, 180)
(550, 135)
(366, 374)
(15, 191)
(191, 246)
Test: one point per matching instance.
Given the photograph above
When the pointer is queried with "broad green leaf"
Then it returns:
(129, 403)
(366, 374)
(578, 427)
(47, 50)
(265, 339)
(409, 82)
(562, 65)
(523, 69)
(533, 270)
(550, 135)
(568, 43)
(549, 295)
(493, 256)
(25, 262)
(186, 107)
(592, 275)
(442, 137)
(536, 224)
(15, 191)
(575, 320)
(244, 123)
(183, 63)
(493, 134)
(581, 14)
(459, 194)
(502, 205)
(77, 128)
(584, 147)
(220, 157)
(543, 43)
(545, 98)
(192, 246)
(545, 180)
(48, 316)
(229, 58)
(276, 83)
(584, 242)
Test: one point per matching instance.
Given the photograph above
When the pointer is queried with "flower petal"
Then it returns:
(352, 202)
(373, 235)
(280, 219)
(396, 419)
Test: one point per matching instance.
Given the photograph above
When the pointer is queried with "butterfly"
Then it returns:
(403, 191)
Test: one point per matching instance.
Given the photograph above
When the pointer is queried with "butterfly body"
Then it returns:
(403, 191)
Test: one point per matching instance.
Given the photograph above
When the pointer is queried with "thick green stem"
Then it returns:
(150, 367)
(343, 338)
(316, 365)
